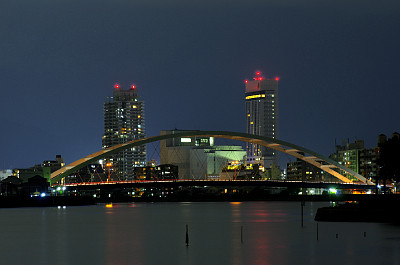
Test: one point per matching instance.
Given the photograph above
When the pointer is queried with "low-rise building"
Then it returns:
(357, 158)
(44, 170)
(300, 170)
(198, 157)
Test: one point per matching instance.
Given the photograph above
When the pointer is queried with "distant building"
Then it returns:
(124, 121)
(197, 157)
(160, 172)
(43, 170)
(10, 186)
(262, 117)
(300, 170)
(26, 173)
(91, 173)
(273, 173)
(166, 171)
(357, 158)
(54, 164)
(388, 159)
(33, 186)
(5, 173)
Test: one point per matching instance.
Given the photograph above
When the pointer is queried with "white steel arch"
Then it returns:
(304, 154)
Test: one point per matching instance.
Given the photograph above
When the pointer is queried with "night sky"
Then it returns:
(338, 64)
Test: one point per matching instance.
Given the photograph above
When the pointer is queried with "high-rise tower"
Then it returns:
(124, 122)
(262, 117)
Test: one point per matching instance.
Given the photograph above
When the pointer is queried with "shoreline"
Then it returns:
(370, 201)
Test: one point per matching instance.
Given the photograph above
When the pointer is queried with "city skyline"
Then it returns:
(338, 68)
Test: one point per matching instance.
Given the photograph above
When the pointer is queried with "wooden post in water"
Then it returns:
(241, 234)
(317, 231)
(302, 206)
(187, 236)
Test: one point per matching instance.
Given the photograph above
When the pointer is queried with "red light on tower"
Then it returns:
(258, 76)
(246, 81)
(133, 87)
(116, 86)
(277, 78)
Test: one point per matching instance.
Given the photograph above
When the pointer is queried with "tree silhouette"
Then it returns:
(389, 159)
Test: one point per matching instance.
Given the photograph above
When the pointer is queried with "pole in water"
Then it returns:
(302, 205)
(187, 236)
(241, 234)
(317, 231)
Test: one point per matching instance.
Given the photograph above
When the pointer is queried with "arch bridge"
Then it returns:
(302, 153)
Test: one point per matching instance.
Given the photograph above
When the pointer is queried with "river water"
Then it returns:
(219, 233)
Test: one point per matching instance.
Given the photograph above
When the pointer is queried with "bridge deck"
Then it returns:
(220, 183)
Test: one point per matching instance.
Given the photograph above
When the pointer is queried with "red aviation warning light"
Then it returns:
(276, 78)
(116, 85)
(246, 81)
(133, 87)
(258, 76)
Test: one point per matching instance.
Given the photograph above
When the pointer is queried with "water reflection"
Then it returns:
(154, 233)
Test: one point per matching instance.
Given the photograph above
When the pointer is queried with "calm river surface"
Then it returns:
(154, 233)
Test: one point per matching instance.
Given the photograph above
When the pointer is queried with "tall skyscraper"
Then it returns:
(124, 122)
(262, 117)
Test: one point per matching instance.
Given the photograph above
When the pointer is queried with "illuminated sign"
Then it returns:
(256, 96)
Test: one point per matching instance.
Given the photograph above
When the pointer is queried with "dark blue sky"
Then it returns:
(338, 64)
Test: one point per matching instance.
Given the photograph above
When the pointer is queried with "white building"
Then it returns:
(198, 157)
(5, 173)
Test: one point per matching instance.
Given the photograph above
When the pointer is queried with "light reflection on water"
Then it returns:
(219, 233)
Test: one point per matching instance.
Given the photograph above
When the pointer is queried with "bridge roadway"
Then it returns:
(216, 183)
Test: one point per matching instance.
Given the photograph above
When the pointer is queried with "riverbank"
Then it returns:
(380, 209)
(240, 197)
(365, 202)
(47, 201)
